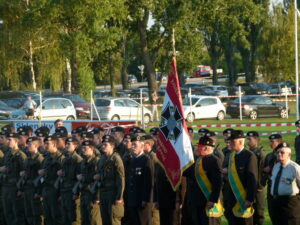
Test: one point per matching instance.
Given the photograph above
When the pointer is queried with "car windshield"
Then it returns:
(186, 101)
(2, 104)
(221, 88)
(102, 102)
(75, 98)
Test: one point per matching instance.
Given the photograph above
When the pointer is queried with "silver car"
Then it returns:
(52, 109)
(121, 109)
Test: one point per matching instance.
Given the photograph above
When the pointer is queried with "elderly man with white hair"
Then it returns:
(285, 188)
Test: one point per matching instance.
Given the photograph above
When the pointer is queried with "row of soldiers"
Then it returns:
(93, 178)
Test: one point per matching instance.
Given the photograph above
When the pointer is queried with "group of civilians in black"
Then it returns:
(90, 177)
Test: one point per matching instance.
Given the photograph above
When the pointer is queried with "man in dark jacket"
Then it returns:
(242, 163)
(140, 184)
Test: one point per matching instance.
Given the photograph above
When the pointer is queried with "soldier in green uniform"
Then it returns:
(89, 201)
(2, 220)
(259, 204)
(33, 203)
(119, 133)
(41, 133)
(126, 161)
(98, 133)
(48, 175)
(148, 149)
(112, 183)
(65, 182)
(3, 142)
(61, 134)
(12, 198)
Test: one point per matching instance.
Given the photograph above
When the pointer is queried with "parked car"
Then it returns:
(132, 79)
(83, 108)
(218, 90)
(260, 87)
(202, 107)
(121, 109)
(280, 89)
(254, 106)
(51, 109)
(193, 85)
(14, 99)
(5, 111)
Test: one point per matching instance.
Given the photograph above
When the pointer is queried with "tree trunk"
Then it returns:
(111, 74)
(228, 50)
(74, 68)
(245, 53)
(214, 55)
(69, 75)
(124, 74)
(31, 66)
(149, 67)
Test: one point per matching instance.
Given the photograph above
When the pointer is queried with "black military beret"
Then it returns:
(190, 129)
(88, 143)
(203, 130)
(108, 138)
(50, 138)
(139, 130)
(4, 133)
(61, 130)
(60, 135)
(13, 135)
(71, 139)
(81, 129)
(137, 138)
(132, 129)
(297, 123)
(31, 139)
(74, 131)
(7, 128)
(41, 134)
(228, 131)
(283, 144)
(118, 129)
(210, 134)
(154, 130)
(97, 130)
(128, 136)
(236, 134)
(43, 129)
(252, 134)
(206, 141)
(87, 135)
(24, 133)
(275, 136)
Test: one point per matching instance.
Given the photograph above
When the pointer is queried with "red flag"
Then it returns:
(174, 148)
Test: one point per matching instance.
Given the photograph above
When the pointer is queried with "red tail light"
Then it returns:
(107, 109)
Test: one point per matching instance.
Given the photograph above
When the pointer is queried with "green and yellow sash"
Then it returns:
(239, 191)
(206, 188)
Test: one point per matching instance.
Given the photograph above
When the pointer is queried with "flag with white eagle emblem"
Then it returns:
(174, 148)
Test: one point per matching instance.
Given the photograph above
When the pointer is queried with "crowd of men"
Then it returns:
(92, 178)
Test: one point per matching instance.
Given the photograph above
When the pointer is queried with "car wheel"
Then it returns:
(147, 118)
(115, 117)
(190, 117)
(70, 118)
(221, 115)
(284, 113)
(253, 115)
